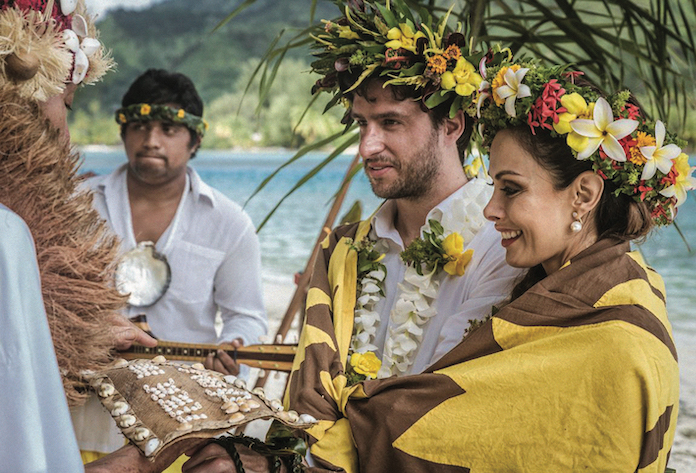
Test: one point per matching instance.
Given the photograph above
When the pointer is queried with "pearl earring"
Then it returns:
(576, 226)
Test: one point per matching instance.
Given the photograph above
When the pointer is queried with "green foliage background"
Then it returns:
(178, 35)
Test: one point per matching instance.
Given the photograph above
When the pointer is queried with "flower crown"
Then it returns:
(46, 43)
(388, 41)
(144, 112)
(639, 156)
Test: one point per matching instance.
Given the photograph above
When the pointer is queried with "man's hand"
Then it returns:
(128, 459)
(222, 362)
(125, 333)
(213, 458)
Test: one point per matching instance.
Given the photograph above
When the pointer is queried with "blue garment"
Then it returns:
(35, 427)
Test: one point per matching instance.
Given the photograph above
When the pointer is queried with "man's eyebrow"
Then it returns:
(502, 174)
(380, 116)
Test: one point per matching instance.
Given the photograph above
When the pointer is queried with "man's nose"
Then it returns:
(371, 141)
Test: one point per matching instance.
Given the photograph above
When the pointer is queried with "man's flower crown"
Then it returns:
(145, 112)
(389, 41)
(639, 156)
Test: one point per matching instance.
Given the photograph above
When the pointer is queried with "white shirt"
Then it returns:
(35, 428)
(213, 251)
(487, 281)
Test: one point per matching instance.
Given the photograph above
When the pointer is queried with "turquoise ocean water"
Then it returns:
(288, 237)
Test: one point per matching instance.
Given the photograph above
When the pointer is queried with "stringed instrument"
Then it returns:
(276, 357)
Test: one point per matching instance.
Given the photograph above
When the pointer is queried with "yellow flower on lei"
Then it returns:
(453, 245)
(145, 109)
(366, 363)
(403, 37)
(181, 113)
(463, 79)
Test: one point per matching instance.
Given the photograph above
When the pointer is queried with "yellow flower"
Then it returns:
(684, 182)
(145, 109)
(499, 81)
(403, 37)
(463, 79)
(634, 154)
(457, 267)
(453, 244)
(473, 169)
(453, 52)
(365, 363)
(181, 113)
(121, 118)
(577, 108)
(437, 64)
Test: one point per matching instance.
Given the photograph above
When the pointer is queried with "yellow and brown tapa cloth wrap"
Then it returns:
(579, 372)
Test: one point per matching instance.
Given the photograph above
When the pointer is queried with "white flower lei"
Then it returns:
(414, 305)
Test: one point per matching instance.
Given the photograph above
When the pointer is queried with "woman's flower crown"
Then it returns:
(145, 112)
(389, 41)
(639, 156)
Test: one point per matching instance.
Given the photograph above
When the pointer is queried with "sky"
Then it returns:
(98, 7)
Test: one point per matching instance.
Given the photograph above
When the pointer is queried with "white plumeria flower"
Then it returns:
(603, 131)
(514, 89)
(658, 156)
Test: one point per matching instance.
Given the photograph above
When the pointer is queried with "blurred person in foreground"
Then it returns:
(578, 368)
(59, 310)
(209, 243)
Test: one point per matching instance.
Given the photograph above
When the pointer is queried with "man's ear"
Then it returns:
(587, 188)
(454, 127)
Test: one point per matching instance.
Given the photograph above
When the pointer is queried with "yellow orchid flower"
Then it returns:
(365, 363)
(453, 245)
(684, 182)
(403, 37)
(463, 79)
(458, 266)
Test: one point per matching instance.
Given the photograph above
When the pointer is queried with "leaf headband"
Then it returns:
(388, 41)
(639, 156)
(143, 112)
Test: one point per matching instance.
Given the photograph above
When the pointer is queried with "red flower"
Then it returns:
(546, 107)
(670, 178)
(397, 58)
(643, 189)
(632, 112)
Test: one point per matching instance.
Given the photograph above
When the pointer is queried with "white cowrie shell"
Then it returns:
(276, 405)
(159, 359)
(79, 72)
(79, 26)
(198, 366)
(71, 40)
(236, 417)
(307, 419)
(240, 383)
(106, 389)
(141, 433)
(229, 378)
(151, 446)
(68, 6)
(126, 421)
(253, 404)
(119, 409)
(120, 362)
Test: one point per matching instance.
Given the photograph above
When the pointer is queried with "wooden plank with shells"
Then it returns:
(158, 402)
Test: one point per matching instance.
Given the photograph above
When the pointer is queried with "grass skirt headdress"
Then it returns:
(45, 44)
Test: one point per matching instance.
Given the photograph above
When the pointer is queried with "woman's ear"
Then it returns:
(588, 188)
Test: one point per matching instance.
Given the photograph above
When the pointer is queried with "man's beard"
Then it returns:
(416, 177)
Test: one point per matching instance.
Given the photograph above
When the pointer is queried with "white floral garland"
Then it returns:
(414, 305)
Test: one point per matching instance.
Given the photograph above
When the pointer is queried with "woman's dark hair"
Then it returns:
(437, 114)
(616, 216)
(158, 86)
